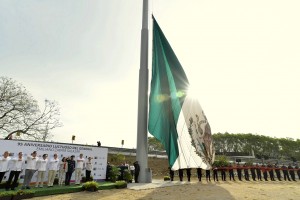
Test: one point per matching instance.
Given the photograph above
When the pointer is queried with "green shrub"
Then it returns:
(90, 186)
(221, 161)
(127, 176)
(114, 173)
(121, 184)
(7, 194)
(83, 179)
(24, 192)
(167, 178)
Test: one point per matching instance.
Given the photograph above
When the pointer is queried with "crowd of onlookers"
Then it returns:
(244, 172)
(53, 166)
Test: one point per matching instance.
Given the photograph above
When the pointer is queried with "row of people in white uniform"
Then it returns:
(32, 163)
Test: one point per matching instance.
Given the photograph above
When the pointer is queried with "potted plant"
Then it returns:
(91, 186)
(23, 194)
(6, 195)
(114, 173)
(127, 176)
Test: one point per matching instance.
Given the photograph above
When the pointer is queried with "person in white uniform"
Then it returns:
(30, 169)
(41, 167)
(78, 169)
(4, 164)
(17, 164)
(53, 168)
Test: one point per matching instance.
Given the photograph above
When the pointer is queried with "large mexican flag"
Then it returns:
(176, 119)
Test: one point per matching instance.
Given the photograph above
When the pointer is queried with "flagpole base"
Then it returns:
(148, 175)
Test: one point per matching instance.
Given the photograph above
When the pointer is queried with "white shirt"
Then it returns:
(31, 162)
(89, 165)
(4, 164)
(17, 164)
(79, 163)
(41, 164)
(131, 168)
(126, 165)
(62, 166)
(53, 164)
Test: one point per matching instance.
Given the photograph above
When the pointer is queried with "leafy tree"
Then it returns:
(154, 144)
(21, 115)
(262, 146)
(221, 161)
(118, 158)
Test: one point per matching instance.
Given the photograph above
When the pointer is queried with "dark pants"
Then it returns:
(278, 174)
(1, 176)
(265, 173)
(231, 175)
(15, 175)
(292, 173)
(286, 176)
(253, 174)
(27, 178)
(199, 173)
(68, 177)
(215, 173)
(180, 173)
(258, 174)
(239, 172)
(171, 175)
(87, 175)
(207, 175)
(223, 175)
(136, 177)
(271, 173)
(188, 174)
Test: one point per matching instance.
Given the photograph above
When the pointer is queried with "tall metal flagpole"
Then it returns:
(145, 175)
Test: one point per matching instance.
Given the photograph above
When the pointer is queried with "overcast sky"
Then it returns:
(241, 57)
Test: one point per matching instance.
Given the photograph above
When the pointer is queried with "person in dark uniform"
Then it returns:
(258, 172)
(171, 174)
(136, 171)
(271, 172)
(231, 174)
(207, 174)
(252, 170)
(292, 172)
(215, 173)
(297, 170)
(180, 173)
(239, 171)
(265, 172)
(246, 172)
(108, 169)
(277, 172)
(285, 173)
(188, 174)
(199, 173)
(223, 173)
(70, 169)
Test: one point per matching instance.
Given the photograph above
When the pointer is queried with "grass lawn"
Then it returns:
(45, 191)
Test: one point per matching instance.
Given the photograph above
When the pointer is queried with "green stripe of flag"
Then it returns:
(169, 85)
